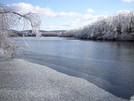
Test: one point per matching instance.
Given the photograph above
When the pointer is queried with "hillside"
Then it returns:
(28, 33)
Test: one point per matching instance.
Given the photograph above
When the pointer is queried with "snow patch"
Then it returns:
(29, 81)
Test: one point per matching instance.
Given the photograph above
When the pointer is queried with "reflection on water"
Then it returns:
(108, 64)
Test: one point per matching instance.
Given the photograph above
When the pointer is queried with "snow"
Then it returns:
(24, 81)
(132, 98)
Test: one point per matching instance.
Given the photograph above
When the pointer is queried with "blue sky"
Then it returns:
(69, 14)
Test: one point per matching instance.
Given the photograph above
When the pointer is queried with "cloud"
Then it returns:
(51, 27)
(105, 12)
(72, 23)
(89, 18)
(128, 0)
(122, 11)
(84, 20)
(46, 12)
(63, 14)
(90, 11)
(47, 27)
(24, 8)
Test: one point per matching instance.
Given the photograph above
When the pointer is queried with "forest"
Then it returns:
(116, 27)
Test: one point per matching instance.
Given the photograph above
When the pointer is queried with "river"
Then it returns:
(107, 64)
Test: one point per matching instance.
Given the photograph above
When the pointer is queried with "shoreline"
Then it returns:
(22, 80)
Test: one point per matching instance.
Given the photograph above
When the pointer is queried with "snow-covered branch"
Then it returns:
(11, 19)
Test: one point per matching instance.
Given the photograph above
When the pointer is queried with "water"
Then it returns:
(107, 64)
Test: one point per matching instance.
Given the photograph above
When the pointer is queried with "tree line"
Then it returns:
(117, 27)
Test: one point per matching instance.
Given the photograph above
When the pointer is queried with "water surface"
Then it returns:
(108, 64)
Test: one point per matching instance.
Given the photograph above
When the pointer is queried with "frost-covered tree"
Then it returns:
(67, 33)
(11, 19)
(117, 27)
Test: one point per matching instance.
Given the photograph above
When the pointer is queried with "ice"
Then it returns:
(132, 98)
(24, 81)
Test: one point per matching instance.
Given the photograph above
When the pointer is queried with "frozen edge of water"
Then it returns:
(64, 87)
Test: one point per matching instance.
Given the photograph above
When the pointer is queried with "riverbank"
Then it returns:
(24, 81)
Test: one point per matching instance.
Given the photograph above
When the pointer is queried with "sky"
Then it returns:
(69, 14)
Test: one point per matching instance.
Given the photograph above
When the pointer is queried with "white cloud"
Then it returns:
(72, 23)
(89, 18)
(24, 8)
(105, 12)
(84, 20)
(63, 14)
(50, 26)
(124, 12)
(128, 0)
(90, 11)
(120, 11)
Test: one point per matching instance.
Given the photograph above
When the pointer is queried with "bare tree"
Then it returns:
(10, 19)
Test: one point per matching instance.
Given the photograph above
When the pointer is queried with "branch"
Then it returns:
(9, 19)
